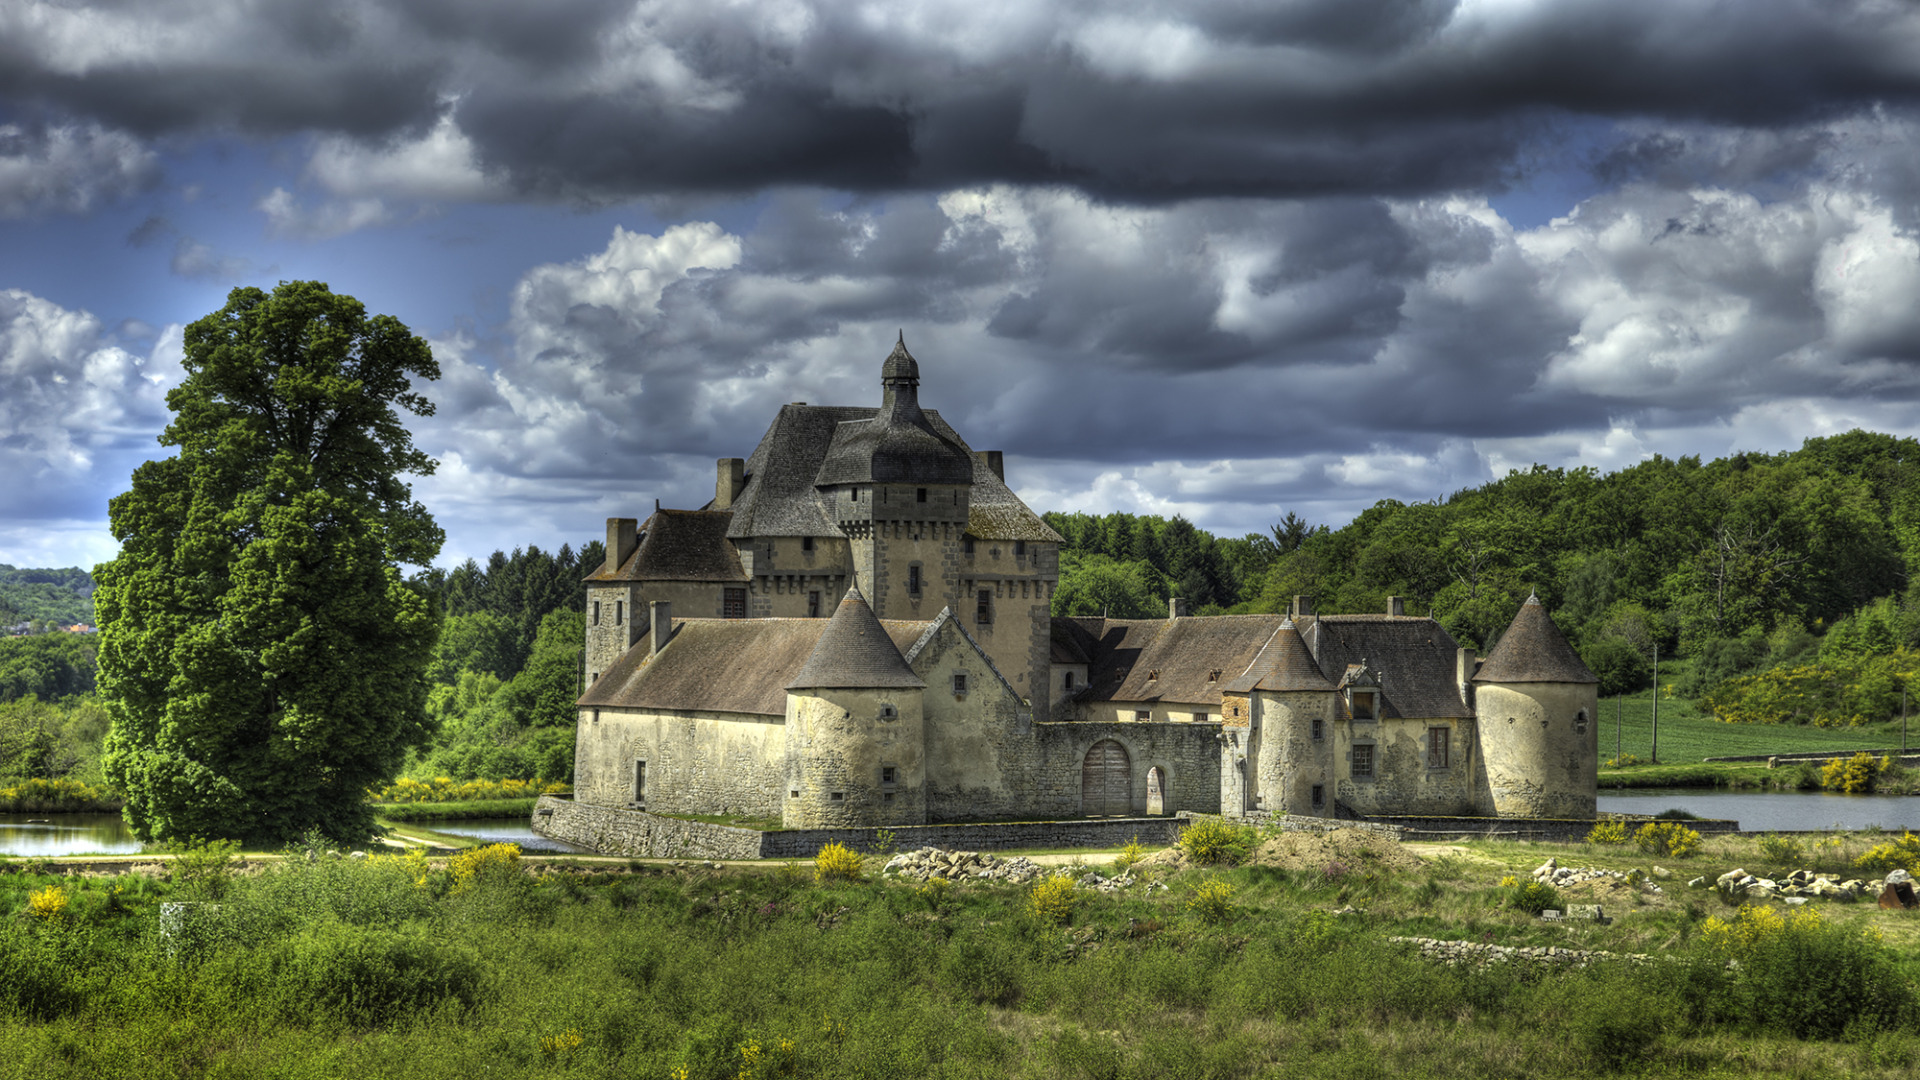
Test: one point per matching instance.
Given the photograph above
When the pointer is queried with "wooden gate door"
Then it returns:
(1106, 780)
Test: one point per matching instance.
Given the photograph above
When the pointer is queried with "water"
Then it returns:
(48, 835)
(506, 830)
(1781, 811)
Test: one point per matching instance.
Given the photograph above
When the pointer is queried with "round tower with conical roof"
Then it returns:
(1536, 706)
(855, 729)
(1276, 724)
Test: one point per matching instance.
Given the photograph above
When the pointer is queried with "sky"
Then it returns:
(1225, 258)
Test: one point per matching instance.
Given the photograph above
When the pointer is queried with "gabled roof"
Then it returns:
(1069, 643)
(1533, 650)
(1283, 665)
(681, 545)
(1415, 656)
(1193, 658)
(722, 665)
(855, 652)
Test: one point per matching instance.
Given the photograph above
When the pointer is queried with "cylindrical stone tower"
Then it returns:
(1287, 752)
(1536, 706)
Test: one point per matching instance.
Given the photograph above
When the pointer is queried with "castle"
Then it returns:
(855, 632)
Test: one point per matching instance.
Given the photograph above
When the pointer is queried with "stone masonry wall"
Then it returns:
(1188, 753)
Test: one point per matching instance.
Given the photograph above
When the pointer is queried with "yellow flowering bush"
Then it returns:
(49, 903)
(1212, 840)
(1130, 855)
(1054, 899)
(1668, 839)
(1608, 832)
(1900, 854)
(1212, 901)
(562, 1045)
(838, 862)
(1853, 776)
(469, 865)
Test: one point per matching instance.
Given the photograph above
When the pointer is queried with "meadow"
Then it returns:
(488, 965)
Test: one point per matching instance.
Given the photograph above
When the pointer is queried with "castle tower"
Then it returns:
(613, 597)
(1536, 706)
(899, 490)
(855, 729)
(1277, 720)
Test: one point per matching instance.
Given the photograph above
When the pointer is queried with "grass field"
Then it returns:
(1686, 736)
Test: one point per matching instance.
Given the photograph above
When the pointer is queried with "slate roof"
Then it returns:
(1186, 653)
(1283, 664)
(1070, 643)
(723, 665)
(1415, 656)
(681, 545)
(854, 652)
(1533, 650)
(899, 445)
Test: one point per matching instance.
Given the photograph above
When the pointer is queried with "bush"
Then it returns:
(474, 864)
(1804, 977)
(1053, 899)
(447, 789)
(202, 869)
(1532, 897)
(368, 977)
(1129, 856)
(1901, 854)
(838, 862)
(1667, 839)
(1855, 775)
(1608, 832)
(1214, 841)
(1212, 901)
(1782, 851)
(49, 903)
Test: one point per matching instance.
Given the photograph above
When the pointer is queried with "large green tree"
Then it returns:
(263, 658)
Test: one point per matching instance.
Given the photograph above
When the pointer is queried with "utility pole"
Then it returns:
(1616, 727)
(1656, 703)
(1903, 719)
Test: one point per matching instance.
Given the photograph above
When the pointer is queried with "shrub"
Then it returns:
(473, 864)
(370, 977)
(1668, 839)
(1802, 976)
(1212, 901)
(1532, 897)
(979, 969)
(1608, 832)
(202, 869)
(446, 789)
(1853, 776)
(49, 903)
(1901, 854)
(1623, 761)
(838, 862)
(1782, 851)
(1213, 841)
(1129, 856)
(1053, 899)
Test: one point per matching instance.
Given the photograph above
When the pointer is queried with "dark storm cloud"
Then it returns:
(1146, 101)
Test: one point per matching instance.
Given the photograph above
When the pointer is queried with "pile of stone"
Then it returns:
(1800, 885)
(1473, 952)
(1101, 883)
(1560, 877)
(929, 863)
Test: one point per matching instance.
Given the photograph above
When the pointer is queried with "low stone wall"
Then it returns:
(1560, 830)
(637, 834)
(1474, 952)
(1907, 757)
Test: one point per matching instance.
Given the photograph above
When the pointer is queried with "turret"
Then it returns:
(855, 730)
(1535, 704)
(1277, 721)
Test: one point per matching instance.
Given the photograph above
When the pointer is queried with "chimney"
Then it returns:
(1396, 606)
(1302, 607)
(993, 461)
(620, 542)
(660, 624)
(726, 486)
(1463, 672)
(1176, 608)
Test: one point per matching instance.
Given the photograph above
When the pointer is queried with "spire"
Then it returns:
(1283, 664)
(1533, 650)
(855, 653)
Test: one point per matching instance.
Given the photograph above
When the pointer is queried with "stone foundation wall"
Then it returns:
(637, 834)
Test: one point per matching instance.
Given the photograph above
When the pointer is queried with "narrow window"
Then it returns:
(1200, 717)
(959, 682)
(1143, 714)
(1439, 741)
(1580, 723)
(639, 781)
(966, 544)
(1319, 796)
(913, 580)
(920, 495)
(983, 611)
(813, 605)
(1362, 704)
(793, 794)
(1319, 729)
(596, 613)
(734, 604)
(619, 611)
(888, 712)
(1363, 761)
(1019, 549)
(886, 774)
(592, 678)
(806, 543)
(837, 796)
(853, 494)
(1067, 683)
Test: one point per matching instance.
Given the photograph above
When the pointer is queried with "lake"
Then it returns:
(510, 830)
(1772, 811)
(48, 835)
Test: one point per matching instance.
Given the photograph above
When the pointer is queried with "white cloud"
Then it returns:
(288, 216)
(440, 165)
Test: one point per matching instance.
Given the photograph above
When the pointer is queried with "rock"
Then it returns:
(1551, 915)
(1795, 900)
(1697, 883)
(1897, 877)
(1662, 873)
(1586, 913)
(1547, 867)
(358, 855)
(1730, 877)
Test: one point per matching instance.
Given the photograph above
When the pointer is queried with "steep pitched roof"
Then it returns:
(1415, 657)
(1069, 643)
(855, 652)
(994, 512)
(722, 665)
(1533, 650)
(1193, 658)
(1283, 664)
(681, 545)
(899, 445)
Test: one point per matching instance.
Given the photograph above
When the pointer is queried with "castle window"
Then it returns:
(1361, 702)
(1319, 729)
(806, 543)
(1580, 723)
(619, 611)
(639, 781)
(983, 610)
(1319, 797)
(920, 495)
(837, 796)
(1362, 761)
(592, 678)
(793, 794)
(886, 774)
(596, 613)
(959, 682)
(1200, 717)
(913, 580)
(1067, 684)
(1153, 675)
(733, 604)
(1143, 714)
(966, 544)
(888, 712)
(813, 605)
(1439, 744)
(1019, 549)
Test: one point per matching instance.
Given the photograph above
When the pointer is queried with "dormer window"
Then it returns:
(1153, 675)
(1361, 704)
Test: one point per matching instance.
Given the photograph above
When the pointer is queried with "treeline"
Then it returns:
(1743, 565)
(45, 598)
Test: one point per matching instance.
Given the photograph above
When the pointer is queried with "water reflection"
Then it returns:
(49, 835)
(1770, 811)
(512, 830)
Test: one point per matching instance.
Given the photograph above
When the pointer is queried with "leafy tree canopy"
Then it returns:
(262, 657)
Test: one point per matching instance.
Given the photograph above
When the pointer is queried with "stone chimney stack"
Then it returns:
(1463, 673)
(1302, 607)
(620, 542)
(1396, 606)
(726, 486)
(993, 461)
(1176, 608)
(660, 620)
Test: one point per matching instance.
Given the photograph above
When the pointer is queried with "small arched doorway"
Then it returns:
(1156, 791)
(1106, 780)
